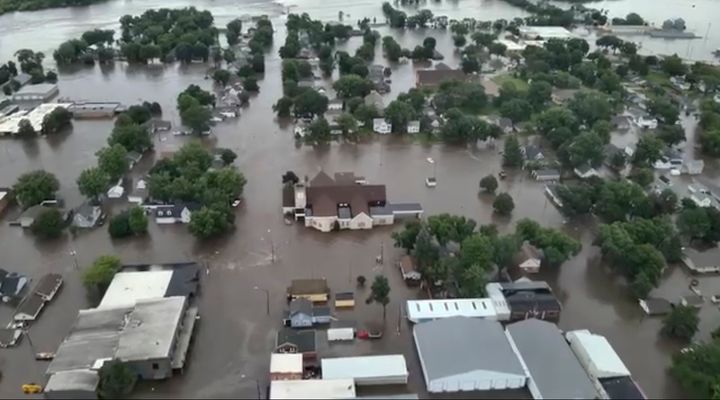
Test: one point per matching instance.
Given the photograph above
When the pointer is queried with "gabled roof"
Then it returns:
(303, 340)
(301, 306)
(324, 194)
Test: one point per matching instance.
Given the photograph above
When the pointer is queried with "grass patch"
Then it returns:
(659, 78)
(519, 83)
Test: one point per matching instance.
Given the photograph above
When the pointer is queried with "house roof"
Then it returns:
(48, 284)
(344, 296)
(308, 286)
(460, 345)
(304, 340)
(86, 210)
(31, 306)
(706, 258)
(434, 77)
(693, 300)
(540, 344)
(13, 284)
(528, 252)
(596, 349)
(655, 306)
(325, 193)
(408, 263)
(9, 336)
(81, 380)
(301, 306)
(532, 151)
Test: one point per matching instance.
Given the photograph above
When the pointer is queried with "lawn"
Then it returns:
(659, 79)
(519, 83)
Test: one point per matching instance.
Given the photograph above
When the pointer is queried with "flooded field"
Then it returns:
(230, 354)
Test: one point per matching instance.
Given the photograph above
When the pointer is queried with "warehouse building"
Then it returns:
(313, 389)
(368, 370)
(142, 282)
(427, 310)
(467, 354)
(552, 369)
(607, 371)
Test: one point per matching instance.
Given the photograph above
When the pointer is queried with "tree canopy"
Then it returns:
(48, 224)
(101, 273)
(34, 187)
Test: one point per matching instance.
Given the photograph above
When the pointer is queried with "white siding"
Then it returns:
(370, 370)
(361, 221)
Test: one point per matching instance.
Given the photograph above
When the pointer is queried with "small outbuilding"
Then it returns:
(529, 258)
(286, 366)
(655, 306)
(409, 269)
(368, 370)
(344, 300)
(315, 290)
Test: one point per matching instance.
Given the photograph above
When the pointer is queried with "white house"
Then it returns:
(335, 105)
(529, 258)
(586, 171)
(700, 195)
(647, 122)
(381, 126)
(413, 126)
(172, 214)
(87, 216)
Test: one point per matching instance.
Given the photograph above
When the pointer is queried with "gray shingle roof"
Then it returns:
(552, 366)
(459, 345)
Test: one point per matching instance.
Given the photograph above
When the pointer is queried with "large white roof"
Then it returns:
(283, 363)
(129, 287)
(546, 32)
(604, 361)
(10, 123)
(367, 367)
(313, 389)
(419, 310)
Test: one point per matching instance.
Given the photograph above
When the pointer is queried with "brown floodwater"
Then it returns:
(233, 340)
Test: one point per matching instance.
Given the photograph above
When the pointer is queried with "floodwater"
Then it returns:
(229, 357)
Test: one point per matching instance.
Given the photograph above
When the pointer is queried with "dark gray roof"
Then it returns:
(304, 340)
(382, 210)
(547, 172)
(301, 306)
(48, 284)
(344, 296)
(13, 284)
(31, 306)
(657, 306)
(532, 151)
(344, 213)
(184, 280)
(321, 311)
(460, 345)
(9, 336)
(621, 388)
(551, 364)
(406, 207)
(82, 380)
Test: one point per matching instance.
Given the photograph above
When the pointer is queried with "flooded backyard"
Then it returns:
(230, 354)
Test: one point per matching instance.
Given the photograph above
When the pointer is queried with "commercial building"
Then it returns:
(552, 369)
(419, 311)
(36, 93)
(75, 384)
(466, 354)
(313, 389)
(544, 32)
(605, 368)
(142, 282)
(286, 366)
(315, 290)
(523, 299)
(10, 124)
(151, 337)
(368, 370)
(91, 110)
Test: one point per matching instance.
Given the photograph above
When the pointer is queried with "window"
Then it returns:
(155, 366)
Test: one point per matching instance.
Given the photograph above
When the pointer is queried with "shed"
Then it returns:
(596, 355)
(427, 310)
(315, 290)
(286, 366)
(368, 370)
(655, 306)
(542, 175)
(344, 300)
(692, 300)
(529, 258)
(313, 389)
(408, 268)
(466, 354)
(339, 334)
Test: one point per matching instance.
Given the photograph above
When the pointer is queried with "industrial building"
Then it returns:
(36, 93)
(368, 370)
(313, 389)
(609, 374)
(552, 369)
(427, 310)
(142, 282)
(151, 337)
(467, 354)
(10, 123)
(523, 299)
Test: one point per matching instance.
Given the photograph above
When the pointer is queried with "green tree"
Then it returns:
(380, 292)
(119, 226)
(643, 176)
(352, 86)
(310, 103)
(348, 126)
(58, 119)
(664, 109)
(503, 204)
(697, 370)
(113, 161)
(117, 380)
(196, 117)
(681, 323)
(648, 150)
(446, 227)
(671, 134)
(517, 110)
(137, 220)
(34, 187)
(620, 199)
(539, 93)
(318, 132)
(673, 65)
(221, 76)
(489, 184)
(586, 148)
(25, 128)
(234, 29)
(406, 238)
(426, 251)
(228, 156)
(590, 107)
(93, 182)
(49, 224)
(512, 155)
(399, 113)
(250, 84)
(101, 273)
(131, 136)
(283, 107)
(208, 222)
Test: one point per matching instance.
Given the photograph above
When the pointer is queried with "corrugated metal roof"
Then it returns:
(599, 352)
(364, 367)
(418, 310)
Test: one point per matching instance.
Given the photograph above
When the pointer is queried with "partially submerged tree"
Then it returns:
(380, 292)
(101, 273)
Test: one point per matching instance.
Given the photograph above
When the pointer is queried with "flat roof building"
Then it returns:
(427, 310)
(151, 281)
(286, 366)
(467, 354)
(545, 32)
(41, 92)
(552, 369)
(76, 384)
(313, 389)
(367, 370)
(95, 109)
(10, 123)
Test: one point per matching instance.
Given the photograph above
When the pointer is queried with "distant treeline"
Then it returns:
(30, 5)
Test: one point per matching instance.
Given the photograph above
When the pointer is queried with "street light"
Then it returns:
(267, 298)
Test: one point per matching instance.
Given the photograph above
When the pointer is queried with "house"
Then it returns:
(300, 129)
(655, 306)
(691, 167)
(669, 160)
(344, 300)
(700, 194)
(313, 389)
(157, 125)
(36, 93)
(315, 290)
(381, 126)
(150, 337)
(413, 126)
(27, 218)
(5, 195)
(552, 369)
(9, 337)
(332, 119)
(93, 110)
(585, 171)
(466, 354)
(48, 286)
(175, 213)
(139, 194)
(335, 105)
(116, 191)
(532, 152)
(529, 258)
(87, 216)
(543, 175)
(375, 99)
(409, 269)
(606, 370)
(300, 342)
(367, 371)
(12, 285)
(22, 78)
(133, 157)
(692, 300)
(430, 78)
(29, 309)
(346, 202)
(286, 366)
(421, 311)
(523, 299)
(702, 261)
(303, 315)
(646, 122)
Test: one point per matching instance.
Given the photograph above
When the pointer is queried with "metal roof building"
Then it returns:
(428, 310)
(313, 389)
(76, 384)
(596, 354)
(368, 370)
(552, 369)
(127, 288)
(467, 354)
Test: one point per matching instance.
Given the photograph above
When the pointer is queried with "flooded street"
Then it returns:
(233, 340)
